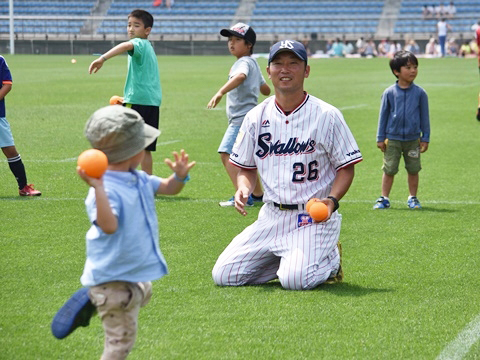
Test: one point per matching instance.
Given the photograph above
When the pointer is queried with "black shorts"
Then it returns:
(151, 115)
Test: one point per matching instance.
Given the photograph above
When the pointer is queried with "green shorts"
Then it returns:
(393, 152)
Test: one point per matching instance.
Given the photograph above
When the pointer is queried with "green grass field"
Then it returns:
(411, 277)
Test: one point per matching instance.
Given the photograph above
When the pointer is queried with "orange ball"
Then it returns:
(94, 162)
(116, 100)
(318, 211)
(310, 202)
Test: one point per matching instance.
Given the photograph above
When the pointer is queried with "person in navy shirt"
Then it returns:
(6, 138)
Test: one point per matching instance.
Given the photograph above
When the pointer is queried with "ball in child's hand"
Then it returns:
(310, 202)
(116, 100)
(94, 162)
(318, 211)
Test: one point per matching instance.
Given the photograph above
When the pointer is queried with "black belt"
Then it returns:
(289, 206)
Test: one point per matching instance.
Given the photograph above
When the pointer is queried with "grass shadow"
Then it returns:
(339, 289)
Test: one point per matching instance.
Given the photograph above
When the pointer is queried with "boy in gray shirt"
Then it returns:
(245, 82)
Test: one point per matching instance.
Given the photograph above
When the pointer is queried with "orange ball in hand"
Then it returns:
(318, 211)
(310, 202)
(116, 100)
(94, 162)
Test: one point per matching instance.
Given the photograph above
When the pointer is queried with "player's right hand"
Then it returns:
(241, 198)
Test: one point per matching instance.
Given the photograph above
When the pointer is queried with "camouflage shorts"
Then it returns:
(118, 304)
(393, 152)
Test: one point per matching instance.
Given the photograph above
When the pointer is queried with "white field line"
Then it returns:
(352, 107)
(459, 347)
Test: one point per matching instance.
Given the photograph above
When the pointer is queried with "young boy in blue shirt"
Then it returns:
(123, 253)
(403, 128)
(142, 91)
(6, 138)
(245, 82)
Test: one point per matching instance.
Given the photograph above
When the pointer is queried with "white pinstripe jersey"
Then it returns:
(297, 156)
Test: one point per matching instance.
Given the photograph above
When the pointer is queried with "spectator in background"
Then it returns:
(474, 46)
(338, 48)
(328, 47)
(451, 10)
(431, 10)
(360, 45)
(431, 48)
(440, 11)
(465, 49)
(426, 14)
(413, 47)
(370, 49)
(393, 48)
(349, 49)
(442, 28)
(452, 47)
(383, 48)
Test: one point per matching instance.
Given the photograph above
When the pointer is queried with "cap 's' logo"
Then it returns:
(286, 44)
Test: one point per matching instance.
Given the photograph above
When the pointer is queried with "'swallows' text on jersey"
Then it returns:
(292, 147)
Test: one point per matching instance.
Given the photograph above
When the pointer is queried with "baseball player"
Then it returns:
(302, 148)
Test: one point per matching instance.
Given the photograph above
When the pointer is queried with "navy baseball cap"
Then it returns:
(288, 45)
(241, 30)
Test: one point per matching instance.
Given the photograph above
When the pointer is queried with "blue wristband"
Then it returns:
(183, 181)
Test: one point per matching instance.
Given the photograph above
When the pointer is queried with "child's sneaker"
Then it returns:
(413, 203)
(231, 202)
(76, 312)
(382, 203)
(28, 190)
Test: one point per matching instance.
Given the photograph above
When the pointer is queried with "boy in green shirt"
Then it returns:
(142, 91)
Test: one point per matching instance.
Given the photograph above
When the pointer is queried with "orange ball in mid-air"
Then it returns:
(116, 100)
(318, 211)
(94, 162)
(310, 202)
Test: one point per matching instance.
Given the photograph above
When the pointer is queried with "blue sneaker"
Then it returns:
(76, 312)
(231, 202)
(257, 198)
(413, 203)
(382, 203)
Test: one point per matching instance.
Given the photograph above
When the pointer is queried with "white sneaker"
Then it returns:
(231, 202)
(227, 203)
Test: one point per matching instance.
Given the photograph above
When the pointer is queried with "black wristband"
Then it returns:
(336, 205)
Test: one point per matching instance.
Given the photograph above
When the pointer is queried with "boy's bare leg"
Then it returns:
(232, 170)
(147, 162)
(387, 182)
(413, 184)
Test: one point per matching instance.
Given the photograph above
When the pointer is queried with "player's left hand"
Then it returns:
(330, 206)
(181, 166)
